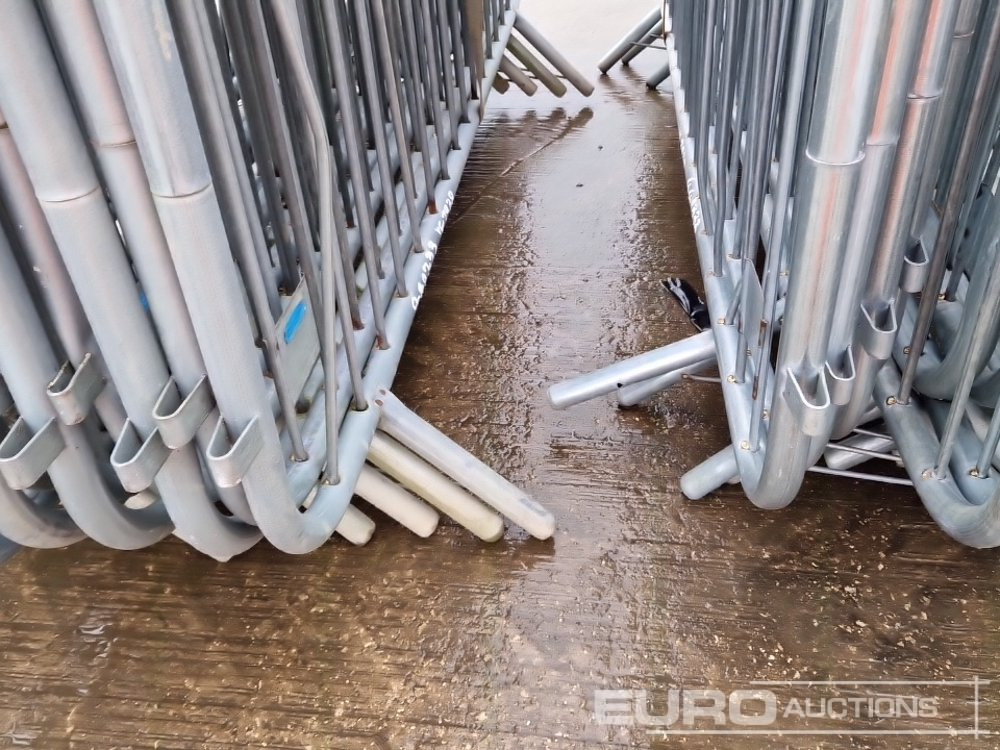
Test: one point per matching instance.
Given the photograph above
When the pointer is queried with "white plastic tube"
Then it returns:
(356, 527)
(427, 482)
(454, 461)
(396, 502)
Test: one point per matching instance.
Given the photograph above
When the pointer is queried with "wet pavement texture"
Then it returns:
(569, 214)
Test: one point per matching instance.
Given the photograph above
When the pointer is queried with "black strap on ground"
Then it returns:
(691, 302)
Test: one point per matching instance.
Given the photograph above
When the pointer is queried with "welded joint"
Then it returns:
(72, 393)
(26, 455)
(808, 398)
(916, 267)
(841, 378)
(877, 329)
(229, 461)
(178, 418)
(136, 461)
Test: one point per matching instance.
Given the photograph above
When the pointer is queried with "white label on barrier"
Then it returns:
(430, 250)
(695, 201)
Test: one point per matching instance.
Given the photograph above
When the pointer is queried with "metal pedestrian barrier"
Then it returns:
(217, 220)
(842, 164)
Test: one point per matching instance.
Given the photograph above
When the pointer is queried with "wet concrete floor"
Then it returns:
(569, 213)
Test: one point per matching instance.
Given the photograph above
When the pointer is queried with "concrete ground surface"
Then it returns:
(569, 214)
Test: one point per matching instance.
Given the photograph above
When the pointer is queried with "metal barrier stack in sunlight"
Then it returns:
(216, 223)
(842, 169)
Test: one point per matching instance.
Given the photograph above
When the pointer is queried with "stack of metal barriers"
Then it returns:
(842, 164)
(217, 220)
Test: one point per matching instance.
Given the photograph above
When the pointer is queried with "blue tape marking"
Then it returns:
(295, 322)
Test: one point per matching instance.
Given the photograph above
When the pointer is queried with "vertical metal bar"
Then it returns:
(429, 62)
(375, 115)
(366, 224)
(981, 102)
(985, 321)
(417, 95)
(398, 123)
(189, 22)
